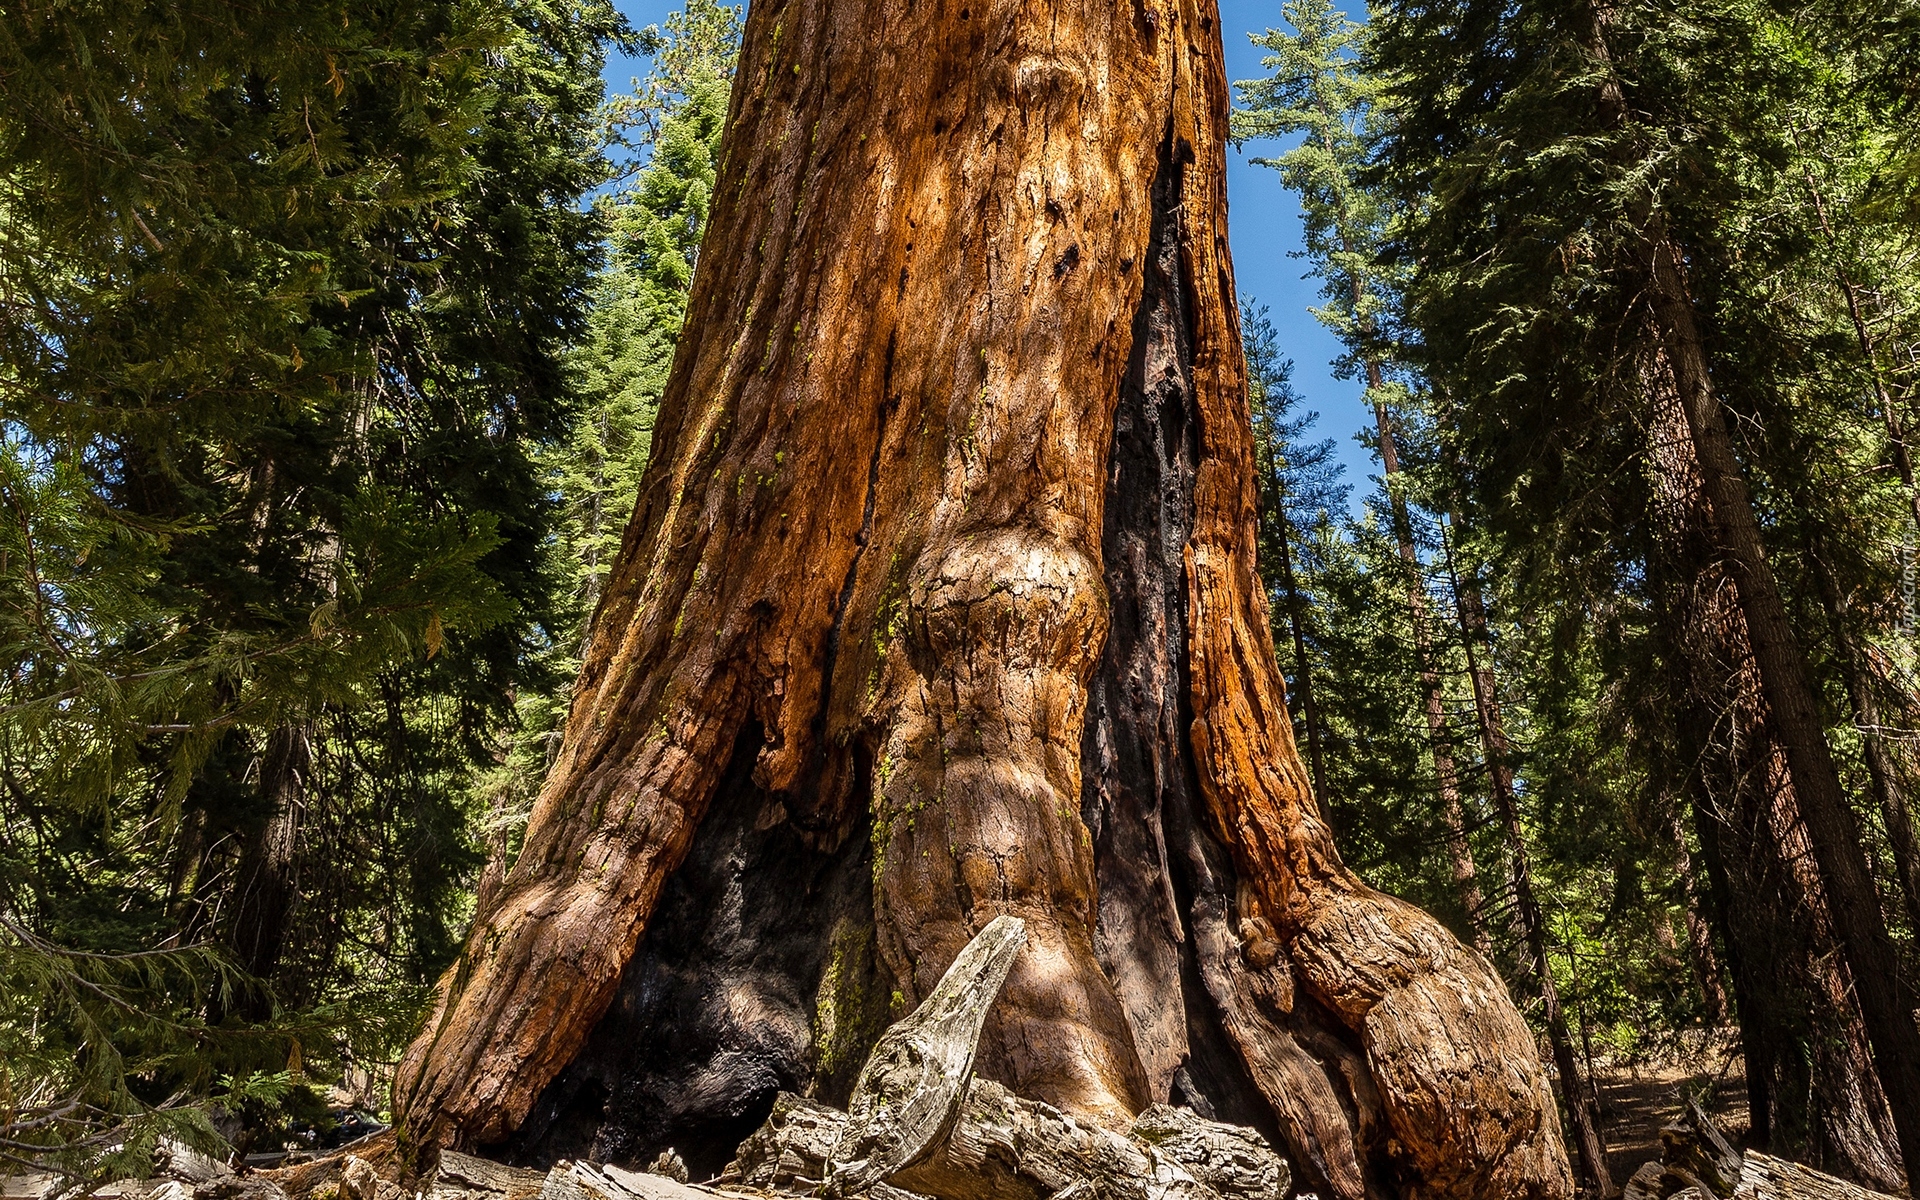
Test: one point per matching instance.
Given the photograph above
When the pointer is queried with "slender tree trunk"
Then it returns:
(1433, 703)
(1883, 773)
(1875, 675)
(1887, 1001)
(1296, 630)
(947, 547)
(1700, 951)
(1277, 535)
(266, 880)
(1583, 1113)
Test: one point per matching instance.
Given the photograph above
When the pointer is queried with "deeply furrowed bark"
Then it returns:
(1812, 1086)
(960, 391)
(1886, 1001)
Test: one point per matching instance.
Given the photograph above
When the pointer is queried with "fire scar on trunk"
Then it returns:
(939, 604)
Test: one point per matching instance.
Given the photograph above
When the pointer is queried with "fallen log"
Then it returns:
(1764, 1177)
(465, 1177)
(790, 1149)
(1004, 1147)
(909, 1093)
(1698, 1162)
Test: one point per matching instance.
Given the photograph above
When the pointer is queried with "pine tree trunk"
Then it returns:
(939, 603)
(1439, 740)
(1583, 1113)
(1303, 664)
(1813, 1087)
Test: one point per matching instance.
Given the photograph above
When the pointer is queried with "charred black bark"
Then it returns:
(757, 975)
(1167, 931)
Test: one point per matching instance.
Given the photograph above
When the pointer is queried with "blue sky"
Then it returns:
(1263, 221)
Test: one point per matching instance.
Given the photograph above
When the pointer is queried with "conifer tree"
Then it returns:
(1316, 90)
(288, 295)
(1598, 222)
(1300, 491)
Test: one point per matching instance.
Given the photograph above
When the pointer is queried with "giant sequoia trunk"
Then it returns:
(940, 603)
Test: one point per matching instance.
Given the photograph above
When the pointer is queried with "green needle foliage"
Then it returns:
(1318, 97)
(654, 213)
(287, 296)
(1595, 814)
(655, 217)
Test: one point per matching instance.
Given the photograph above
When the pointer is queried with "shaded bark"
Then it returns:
(1812, 1082)
(780, 923)
(266, 877)
(1700, 950)
(1884, 775)
(935, 325)
(1886, 1000)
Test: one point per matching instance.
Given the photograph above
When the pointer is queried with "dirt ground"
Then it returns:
(1636, 1099)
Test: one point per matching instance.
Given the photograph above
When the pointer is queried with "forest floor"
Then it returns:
(1638, 1097)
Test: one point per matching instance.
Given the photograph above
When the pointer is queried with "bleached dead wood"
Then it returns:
(919, 1122)
(789, 1150)
(1764, 1177)
(909, 1092)
(1003, 1147)
(466, 1175)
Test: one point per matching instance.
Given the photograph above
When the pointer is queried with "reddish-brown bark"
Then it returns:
(1813, 1088)
(962, 390)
